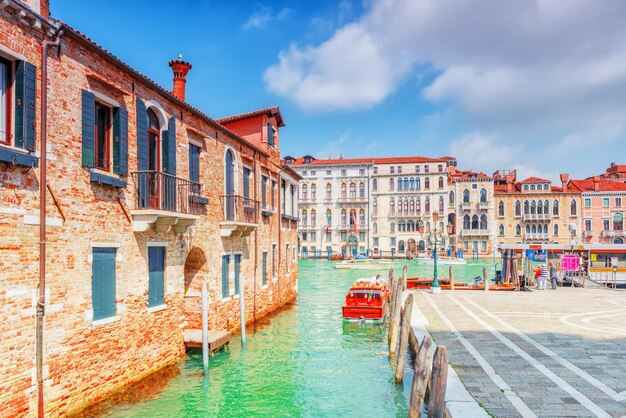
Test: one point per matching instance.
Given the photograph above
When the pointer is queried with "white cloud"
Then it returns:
(546, 75)
(261, 18)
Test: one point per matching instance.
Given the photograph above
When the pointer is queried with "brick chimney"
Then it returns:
(596, 183)
(564, 181)
(180, 69)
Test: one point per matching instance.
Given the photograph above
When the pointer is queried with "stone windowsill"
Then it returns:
(107, 178)
(157, 308)
(18, 156)
(104, 321)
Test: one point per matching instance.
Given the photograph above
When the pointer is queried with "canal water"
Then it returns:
(303, 361)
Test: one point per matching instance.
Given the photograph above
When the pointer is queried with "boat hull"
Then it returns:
(360, 312)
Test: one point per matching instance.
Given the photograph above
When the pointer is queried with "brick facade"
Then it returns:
(87, 360)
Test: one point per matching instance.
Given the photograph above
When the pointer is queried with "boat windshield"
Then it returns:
(365, 294)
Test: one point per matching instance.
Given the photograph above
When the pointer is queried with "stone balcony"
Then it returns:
(536, 217)
(474, 232)
(240, 216)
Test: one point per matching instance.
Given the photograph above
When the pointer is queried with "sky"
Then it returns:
(533, 85)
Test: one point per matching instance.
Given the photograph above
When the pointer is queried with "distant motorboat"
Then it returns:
(363, 263)
(443, 260)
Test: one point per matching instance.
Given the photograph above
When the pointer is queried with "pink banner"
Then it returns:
(570, 263)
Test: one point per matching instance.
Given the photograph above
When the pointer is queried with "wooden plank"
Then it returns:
(439, 380)
(404, 338)
(394, 324)
(217, 339)
(420, 378)
(451, 276)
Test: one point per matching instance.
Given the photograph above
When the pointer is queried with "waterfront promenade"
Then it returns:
(545, 353)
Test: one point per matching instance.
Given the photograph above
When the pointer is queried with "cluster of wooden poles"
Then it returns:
(430, 373)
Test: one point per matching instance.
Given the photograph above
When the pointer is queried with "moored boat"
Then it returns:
(366, 300)
(363, 263)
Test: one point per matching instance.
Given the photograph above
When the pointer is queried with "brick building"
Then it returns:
(145, 197)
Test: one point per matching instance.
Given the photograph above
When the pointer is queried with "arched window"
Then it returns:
(375, 184)
(344, 217)
(362, 217)
(427, 227)
(375, 207)
(418, 205)
(410, 226)
(618, 221)
(427, 204)
(501, 208)
(518, 208)
(329, 191)
(399, 184)
(518, 229)
(483, 222)
(343, 190)
(352, 190)
(572, 208)
(527, 229)
(556, 229)
(441, 204)
(329, 217)
(545, 228)
(361, 190)
(352, 216)
(305, 192)
(392, 227)
(555, 208)
(451, 198)
(401, 226)
(412, 206)
(466, 222)
(546, 207)
(483, 196)
(401, 246)
(526, 207)
(391, 207)
(533, 229)
(229, 184)
(375, 227)
(305, 217)
(440, 183)
(533, 207)
(466, 196)
(417, 184)
(412, 183)
(406, 206)
(475, 223)
(313, 217)
(313, 191)
(427, 183)
(391, 183)
(406, 183)
(501, 229)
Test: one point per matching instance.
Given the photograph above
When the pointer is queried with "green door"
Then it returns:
(103, 283)
(156, 285)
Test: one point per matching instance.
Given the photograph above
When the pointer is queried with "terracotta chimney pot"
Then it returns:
(180, 69)
(596, 183)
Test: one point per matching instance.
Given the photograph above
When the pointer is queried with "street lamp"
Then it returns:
(435, 235)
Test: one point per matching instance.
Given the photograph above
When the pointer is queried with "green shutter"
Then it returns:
(264, 269)
(225, 270)
(156, 281)
(103, 283)
(25, 105)
(168, 143)
(142, 135)
(88, 120)
(120, 141)
(237, 272)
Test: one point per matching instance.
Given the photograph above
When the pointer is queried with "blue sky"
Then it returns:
(535, 85)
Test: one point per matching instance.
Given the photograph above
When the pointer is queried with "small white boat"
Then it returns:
(443, 260)
(364, 263)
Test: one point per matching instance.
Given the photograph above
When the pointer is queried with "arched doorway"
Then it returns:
(618, 241)
(229, 185)
(411, 248)
(195, 271)
(353, 245)
(421, 245)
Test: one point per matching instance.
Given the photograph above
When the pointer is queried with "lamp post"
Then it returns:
(435, 234)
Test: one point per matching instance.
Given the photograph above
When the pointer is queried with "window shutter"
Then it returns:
(156, 282)
(264, 269)
(169, 147)
(237, 272)
(225, 268)
(103, 283)
(120, 141)
(89, 119)
(142, 135)
(25, 105)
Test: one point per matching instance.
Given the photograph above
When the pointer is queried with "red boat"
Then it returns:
(367, 300)
(417, 283)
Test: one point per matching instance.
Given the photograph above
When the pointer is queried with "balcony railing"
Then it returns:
(474, 232)
(306, 201)
(239, 209)
(613, 233)
(162, 191)
(483, 205)
(587, 233)
(537, 236)
(353, 199)
(536, 217)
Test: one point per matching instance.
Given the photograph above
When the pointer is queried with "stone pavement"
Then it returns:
(546, 353)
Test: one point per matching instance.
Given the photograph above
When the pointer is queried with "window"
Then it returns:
(518, 230)
(329, 172)
(618, 222)
(103, 137)
(361, 236)
(329, 191)
(273, 191)
(532, 187)
(441, 204)
(361, 190)
(194, 163)
(344, 173)
(225, 276)
(343, 190)
(313, 173)
(375, 184)
(426, 168)
(375, 228)
(526, 207)
(304, 236)
(440, 182)
(483, 222)
(572, 208)
(392, 169)
(352, 190)
(313, 191)
(605, 202)
(391, 183)
(329, 217)
(246, 182)
(343, 236)
(392, 227)
(103, 283)
(474, 186)
(417, 168)
(451, 198)
(264, 268)
(271, 134)
(375, 241)
(399, 169)
(587, 202)
(287, 256)
(606, 225)
(344, 217)
(483, 196)
(401, 246)
(526, 187)
(392, 241)
(313, 218)
(399, 184)
(406, 183)
(618, 202)
(546, 187)
(440, 167)
(587, 224)
(304, 217)
(156, 281)
(466, 196)
(427, 182)
(555, 208)
(362, 217)
(501, 208)
(5, 102)
(556, 229)
(273, 260)
(518, 208)
(304, 173)
(264, 192)
(375, 169)
(361, 171)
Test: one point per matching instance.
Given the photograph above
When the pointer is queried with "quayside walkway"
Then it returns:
(545, 353)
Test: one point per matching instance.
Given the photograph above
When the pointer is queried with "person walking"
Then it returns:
(544, 277)
(553, 275)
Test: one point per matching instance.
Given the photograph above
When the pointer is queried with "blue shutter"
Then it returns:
(168, 140)
(156, 281)
(194, 163)
(246, 182)
(142, 135)
(103, 283)
(225, 269)
(88, 121)
(25, 105)
(264, 269)
(237, 272)
(120, 141)
(270, 134)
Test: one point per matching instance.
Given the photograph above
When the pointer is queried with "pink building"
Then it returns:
(604, 205)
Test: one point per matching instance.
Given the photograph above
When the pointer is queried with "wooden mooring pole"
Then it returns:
(404, 337)
(420, 377)
(393, 284)
(485, 279)
(438, 384)
(205, 328)
(394, 324)
(451, 276)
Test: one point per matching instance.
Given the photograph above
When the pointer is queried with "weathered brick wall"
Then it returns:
(85, 363)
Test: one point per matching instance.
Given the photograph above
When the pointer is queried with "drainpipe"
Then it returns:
(41, 302)
(256, 235)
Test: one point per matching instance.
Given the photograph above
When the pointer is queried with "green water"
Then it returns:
(302, 362)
